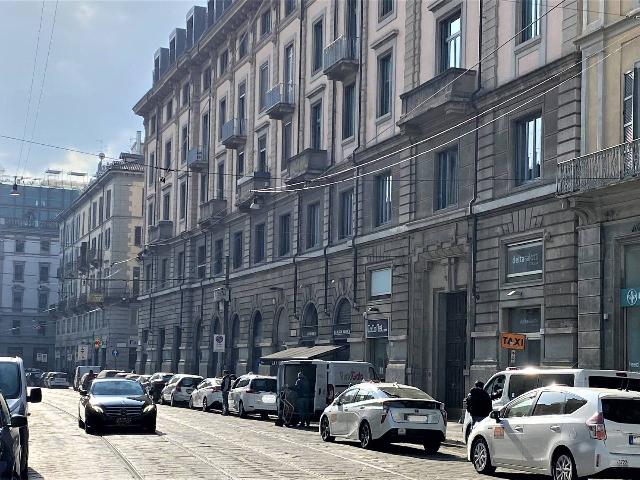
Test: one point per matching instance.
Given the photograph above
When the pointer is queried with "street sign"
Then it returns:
(512, 341)
(630, 297)
(45, 357)
(218, 343)
(114, 352)
(83, 352)
(97, 343)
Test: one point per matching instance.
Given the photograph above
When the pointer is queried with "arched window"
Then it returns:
(310, 324)
(256, 351)
(282, 330)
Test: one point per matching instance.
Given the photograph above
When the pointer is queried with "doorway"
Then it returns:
(455, 318)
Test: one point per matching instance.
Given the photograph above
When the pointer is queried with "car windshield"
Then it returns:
(405, 392)
(60, 375)
(116, 388)
(10, 380)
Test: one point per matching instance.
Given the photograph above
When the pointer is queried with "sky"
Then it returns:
(99, 66)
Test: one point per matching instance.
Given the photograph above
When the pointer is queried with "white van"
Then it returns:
(511, 383)
(81, 370)
(327, 379)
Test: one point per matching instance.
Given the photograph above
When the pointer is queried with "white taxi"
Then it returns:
(385, 413)
(254, 394)
(563, 432)
(207, 394)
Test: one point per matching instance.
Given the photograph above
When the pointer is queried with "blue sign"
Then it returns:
(629, 297)
(114, 352)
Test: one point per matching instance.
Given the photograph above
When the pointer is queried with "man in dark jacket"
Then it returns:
(225, 388)
(301, 387)
(479, 403)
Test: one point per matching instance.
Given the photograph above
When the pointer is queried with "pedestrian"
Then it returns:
(301, 387)
(87, 380)
(225, 387)
(479, 403)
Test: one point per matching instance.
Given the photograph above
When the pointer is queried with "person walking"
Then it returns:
(87, 380)
(301, 387)
(225, 387)
(479, 403)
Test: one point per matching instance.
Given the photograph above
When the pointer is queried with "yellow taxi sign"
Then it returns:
(512, 341)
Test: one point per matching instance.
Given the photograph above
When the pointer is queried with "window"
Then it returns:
(205, 130)
(218, 252)
(18, 272)
(383, 199)
(265, 23)
(524, 261)
(94, 214)
(164, 271)
(185, 144)
(150, 214)
(107, 239)
(19, 246)
(206, 79)
(318, 46)
(259, 245)
(45, 246)
(313, 225)
(204, 187)
(169, 110)
(167, 154)
(180, 266)
(222, 116)
(521, 408)
(108, 205)
(240, 165)
(385, 8)
(287, 140)
(237, 250)
(220, 181)
(166, 206)
(15, 324)
(348, 111)
(380, 282)
(263, 84)
(202, 261)
(345, 215)
(16, 305)
(528, 149)
(450, 43)
(573, 403)
(137, 236)
(44, 273)
(316, 126)
(288, 69)
(351, 19)
(243, 48)
(447, 176)
(183, 200)
(384, 85)
(526, 321)
(530, 19)
(152, 169)
(152, 124)
(43, 301)
(186, 98)
(224, 62)
(495, 387)
(242, 91)
(262, 153)
(148, 276)
(289, 6)
(628, 107)
(549, 403)
(284, 230)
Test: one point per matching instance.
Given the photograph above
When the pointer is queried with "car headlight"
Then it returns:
(149, 408)
(97, 408)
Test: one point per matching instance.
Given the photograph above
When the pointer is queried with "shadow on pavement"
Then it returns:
(33, 474)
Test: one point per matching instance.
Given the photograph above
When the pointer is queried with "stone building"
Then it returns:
(101, 234)
(29, 258)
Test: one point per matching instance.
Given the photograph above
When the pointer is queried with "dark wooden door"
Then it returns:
(456, 334)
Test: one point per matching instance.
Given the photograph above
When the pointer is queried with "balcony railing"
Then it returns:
(246, 190)
(340, 57)
(198, 157)
(212, 211)
(280, 100)
(163, 230)
(599, 169)
(306, 165)
(28, 223)
(233, 133)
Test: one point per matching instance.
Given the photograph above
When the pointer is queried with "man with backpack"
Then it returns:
(479, 403)
(225, 388)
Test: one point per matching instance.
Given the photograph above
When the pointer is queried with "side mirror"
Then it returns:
(495, 415)
(18, 421)
(35, 395)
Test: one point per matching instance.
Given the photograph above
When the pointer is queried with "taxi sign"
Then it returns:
(512, 341)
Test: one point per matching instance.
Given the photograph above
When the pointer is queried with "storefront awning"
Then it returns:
(300, 353)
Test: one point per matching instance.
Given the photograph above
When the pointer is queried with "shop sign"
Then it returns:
(512, 341)
(630, 297)
(524, 259)
(341, 331)
(377, 328)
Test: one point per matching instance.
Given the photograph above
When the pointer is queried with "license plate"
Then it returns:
(634, 439)
(417, 418)
(402, 431)
(268, 399)
(123, 420)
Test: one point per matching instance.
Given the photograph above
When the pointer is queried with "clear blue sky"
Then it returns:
(99, 67)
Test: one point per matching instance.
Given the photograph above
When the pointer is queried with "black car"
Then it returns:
(112, 402)
(10, 446)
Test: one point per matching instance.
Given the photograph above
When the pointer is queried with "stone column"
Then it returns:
(590, 296)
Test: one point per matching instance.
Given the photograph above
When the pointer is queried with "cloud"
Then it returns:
(77, 162)
(84, 14)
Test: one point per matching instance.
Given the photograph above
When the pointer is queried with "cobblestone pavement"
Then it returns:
(193, 444)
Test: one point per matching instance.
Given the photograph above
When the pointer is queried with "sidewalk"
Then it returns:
(454, 433)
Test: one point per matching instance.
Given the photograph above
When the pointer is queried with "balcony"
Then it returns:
(442, 100)
(341, 58)
(198, 157)
(306, 165)
(245, 193)
(163, 230)
(280, 101)
(596, 170)
(234, 134)
(212, 212)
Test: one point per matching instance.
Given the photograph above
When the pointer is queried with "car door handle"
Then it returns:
(519, 428)
(555, 428)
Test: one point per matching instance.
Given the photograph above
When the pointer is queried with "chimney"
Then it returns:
(138, 142)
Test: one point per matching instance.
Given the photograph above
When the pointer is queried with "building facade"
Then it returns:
(29, 258)
(101, 235)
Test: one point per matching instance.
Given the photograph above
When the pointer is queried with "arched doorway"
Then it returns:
(256, 349)
(310, 325)
(197, 347)
(235, 341)
(212, 370)
(281, 335)
(342, 328)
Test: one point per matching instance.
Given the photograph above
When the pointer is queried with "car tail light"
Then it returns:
(596, 427)
(331, 394)
(385, 412)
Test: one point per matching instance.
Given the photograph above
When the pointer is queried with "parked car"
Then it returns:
(116, 403)
(157, 382)
(144, 381)
(513, 382)
(179, 388)
(563, 432)
(108, 373)
(13, 385)
(121, 375)
(132, 376)
(207, 394)
(254, 394)
(379, 413)
(81, 370)
(10, 448)
(56, 380)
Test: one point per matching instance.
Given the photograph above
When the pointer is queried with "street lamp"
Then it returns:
(14, 189)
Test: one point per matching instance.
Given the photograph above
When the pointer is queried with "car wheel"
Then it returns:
(204, 404)
(564, 468)
(241, 412)
(325, 430)
(190, 403)
(89, 430)
(364, 434)
(481, 458)
(432, 447)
